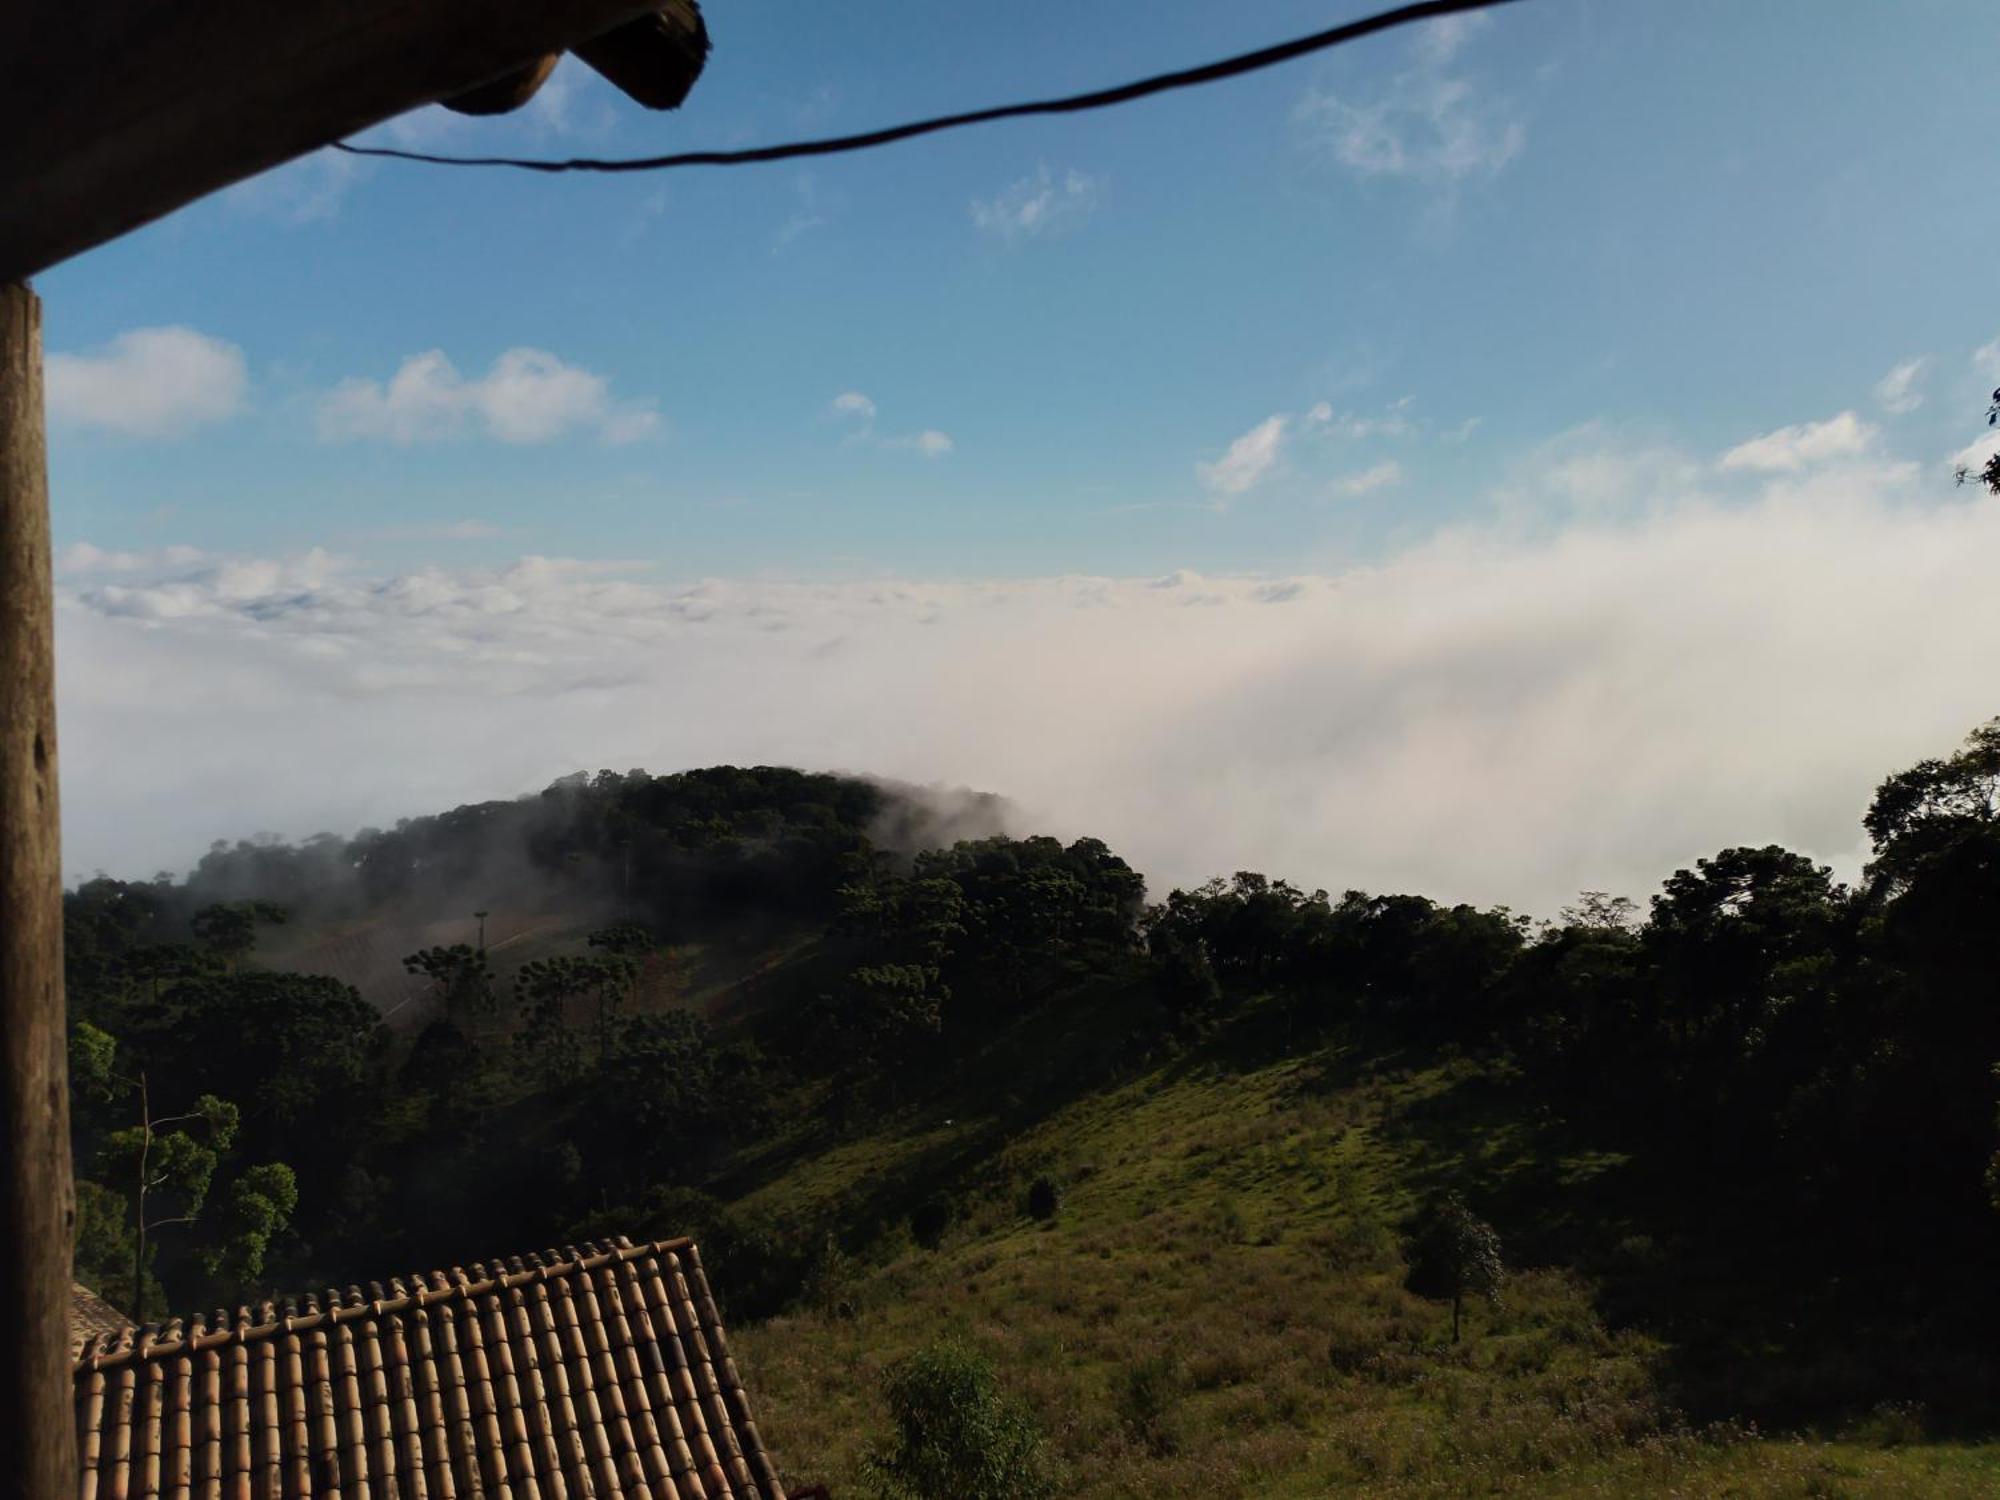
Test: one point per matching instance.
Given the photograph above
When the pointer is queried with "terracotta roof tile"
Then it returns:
(90, 1316)
(595, 1371)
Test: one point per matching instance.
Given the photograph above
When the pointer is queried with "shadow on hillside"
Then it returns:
(1750, 1331)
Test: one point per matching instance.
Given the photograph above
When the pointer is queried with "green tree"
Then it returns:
(228, 929)
(1455, 1254)
(256, 1208)
(446, 1064)
(630, 939)
(547, 1045)
(1919, 813)
(104, 1243)
(955, 1434)
(461, 984)
(548, 985)
(176, 1166)
(1600, 911)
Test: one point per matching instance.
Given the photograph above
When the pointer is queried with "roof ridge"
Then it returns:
(174, 1336)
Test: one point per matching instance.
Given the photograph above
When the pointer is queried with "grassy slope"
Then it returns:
(1235, 1230)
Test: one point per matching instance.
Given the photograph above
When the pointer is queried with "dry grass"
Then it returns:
(1224, 1247)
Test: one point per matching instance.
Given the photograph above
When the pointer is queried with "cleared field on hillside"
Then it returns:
(1217, 1309)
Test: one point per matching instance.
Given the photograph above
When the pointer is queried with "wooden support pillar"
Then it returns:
(37, 1199)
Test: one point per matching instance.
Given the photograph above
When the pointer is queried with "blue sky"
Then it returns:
(1544, 279)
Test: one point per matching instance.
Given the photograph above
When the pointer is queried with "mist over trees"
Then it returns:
(1793, 1078)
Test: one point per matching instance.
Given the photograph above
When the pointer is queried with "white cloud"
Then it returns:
(1248, 460)
(1393, 421)
(149, 382)
(1790, 449)
(1975, 455)
(1492, 714)
(528, 396)
(854, 405)
(1378, 477)
(1037, 205)
(1439, 41)
(930, 442)
(309, 190)
(1897, 391)
(1424, 124)
(1986, 360)
(808, 215)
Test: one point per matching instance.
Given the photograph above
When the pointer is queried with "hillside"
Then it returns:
(1217, 1309)
(1176, 1170)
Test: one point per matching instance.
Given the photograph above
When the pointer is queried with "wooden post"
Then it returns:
(37, 1200)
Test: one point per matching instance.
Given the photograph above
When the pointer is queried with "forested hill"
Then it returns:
(1733, 1147)
(743, 854)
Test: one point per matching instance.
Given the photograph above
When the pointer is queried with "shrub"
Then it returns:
(1892, 1424)
(955, 1434)
(829, 1285)
(1043, 1199)
(1147, 1395)
(929, 1220)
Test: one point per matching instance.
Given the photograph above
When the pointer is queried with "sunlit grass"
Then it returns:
(1225, 1246)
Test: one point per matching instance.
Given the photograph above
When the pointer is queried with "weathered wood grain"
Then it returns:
(37, 1202)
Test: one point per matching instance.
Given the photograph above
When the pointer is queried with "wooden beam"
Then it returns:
(37, 1200)
(115, 112)
(506, 93)
(655, 59)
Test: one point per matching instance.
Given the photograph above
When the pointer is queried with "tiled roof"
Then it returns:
(90, 1317)
(595, 1371)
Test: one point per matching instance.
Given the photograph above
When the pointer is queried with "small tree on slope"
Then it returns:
(1455, 1254)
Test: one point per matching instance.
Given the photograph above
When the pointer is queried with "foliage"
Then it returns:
(955, 1434)
(1044, 1199)
(1756, 1115)
(929, 1220)
(1148, 1393)
(627, 939)
(257, 1207)
(1990, 475)
(105, 1245)
(228, 929)
(829, 1285)
(546, 986)
(1453, 1255)
(178, 1164)
(1924, 811)
(461, 983)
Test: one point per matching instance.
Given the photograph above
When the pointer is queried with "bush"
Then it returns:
(1892, 1424)
(929, 1220)
(829, 1285)
(1043, 1199)
(1147, 1395)
(956, 1436)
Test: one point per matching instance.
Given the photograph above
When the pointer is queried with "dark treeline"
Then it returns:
(684, 847)
(1790, 1082)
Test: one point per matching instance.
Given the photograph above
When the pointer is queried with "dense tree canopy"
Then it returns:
(1797, 1076)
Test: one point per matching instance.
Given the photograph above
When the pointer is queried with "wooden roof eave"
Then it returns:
(117, 112)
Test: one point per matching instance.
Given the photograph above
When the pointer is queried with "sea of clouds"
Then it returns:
(1634, 659)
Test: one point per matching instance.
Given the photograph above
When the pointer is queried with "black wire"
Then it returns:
(1232, 67)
